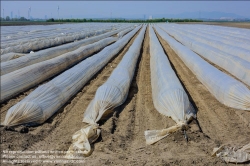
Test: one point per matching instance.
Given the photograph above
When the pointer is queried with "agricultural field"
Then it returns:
(226, 24)
(22, 23)
(128, 93)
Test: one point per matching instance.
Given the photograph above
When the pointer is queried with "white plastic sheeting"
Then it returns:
(120, 28)
(18, 35)
(226, 37)
(122, 33)
(233, 64)
(226, 89)
(216, 35)
(45, 100)
(24, 78)
(233, 155)
(108, 96)
(46, 43)
(169, 97)
(10, 56)
(46, 54)
(21, 38)
(239, 34)
(215, 42)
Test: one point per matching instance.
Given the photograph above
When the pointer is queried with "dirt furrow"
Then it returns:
(219, 122)
(18, 97)
(243, 115)
(39, 133)
(72, 114)
(127, 145)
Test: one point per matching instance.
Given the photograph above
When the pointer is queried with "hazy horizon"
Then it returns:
(121, 9)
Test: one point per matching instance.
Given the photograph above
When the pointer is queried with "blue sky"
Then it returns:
(115, 9)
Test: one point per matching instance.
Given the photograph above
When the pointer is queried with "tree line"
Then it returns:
(7, 18)
(124, 20)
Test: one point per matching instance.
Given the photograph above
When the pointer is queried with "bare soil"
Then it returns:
(122, 139)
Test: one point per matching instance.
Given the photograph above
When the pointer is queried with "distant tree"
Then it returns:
(23, 19)
(124, 20)
(51, 20)
(7, 18)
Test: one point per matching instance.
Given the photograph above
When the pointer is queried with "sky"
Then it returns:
(119, 9)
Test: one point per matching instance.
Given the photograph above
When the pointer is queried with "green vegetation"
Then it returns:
(7, 21)
(124, 20)
(13, 19)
